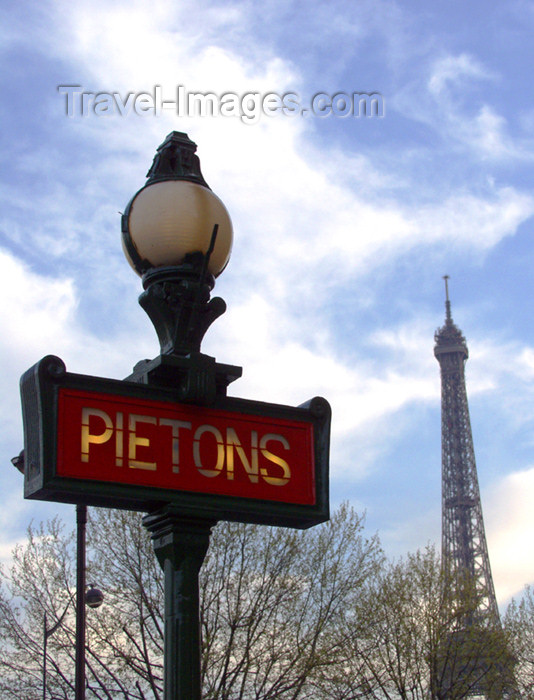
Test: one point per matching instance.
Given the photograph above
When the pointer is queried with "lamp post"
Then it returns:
(80, 432)
(93, 598)
(177, 235)
(79, 677)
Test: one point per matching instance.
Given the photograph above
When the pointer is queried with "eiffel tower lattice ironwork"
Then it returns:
(463, 546)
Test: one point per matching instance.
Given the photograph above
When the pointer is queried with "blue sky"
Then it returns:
(344, 227)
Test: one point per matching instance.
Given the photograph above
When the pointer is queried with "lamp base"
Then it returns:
(197, 377)
(177, 301)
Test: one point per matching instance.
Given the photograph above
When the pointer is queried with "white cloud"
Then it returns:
(525, 363)
(294, 211)
(510, 528)
(452, 101)
(288, 359)
(34, 317)
(38, 317)
(477, 222)
(455, 72)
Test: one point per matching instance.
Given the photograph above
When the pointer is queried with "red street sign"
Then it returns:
(126, 445)
(124, 440)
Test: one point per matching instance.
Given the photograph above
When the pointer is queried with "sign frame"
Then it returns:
(40, 390)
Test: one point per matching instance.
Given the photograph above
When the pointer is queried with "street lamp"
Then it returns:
(177, 235)
(173, 214)
(94, 596)
(93, 599)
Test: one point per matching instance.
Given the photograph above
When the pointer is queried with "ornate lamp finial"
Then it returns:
(175, 159)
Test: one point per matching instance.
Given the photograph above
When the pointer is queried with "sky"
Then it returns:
(344, 225)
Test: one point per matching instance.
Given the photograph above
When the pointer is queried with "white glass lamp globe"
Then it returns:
(167, 220)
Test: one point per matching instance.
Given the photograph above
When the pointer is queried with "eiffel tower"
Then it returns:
(470, 654)
(463, 540)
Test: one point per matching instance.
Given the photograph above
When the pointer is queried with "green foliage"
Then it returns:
(519, 622)
(414, 648)
(41, 582)
(273, 602)
(274, 605)
(312, 615)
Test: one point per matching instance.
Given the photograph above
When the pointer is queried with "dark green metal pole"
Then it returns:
(45, 639)
(180, 546)
(79, 681)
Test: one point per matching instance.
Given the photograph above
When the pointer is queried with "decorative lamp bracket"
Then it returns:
(177, 301)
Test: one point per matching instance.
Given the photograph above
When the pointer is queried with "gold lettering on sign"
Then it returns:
(134, 441)
(226, 449)
(118, 440)
(275, 459)
(220, 450)
(251, 467)
(92, 439)
(175, 425)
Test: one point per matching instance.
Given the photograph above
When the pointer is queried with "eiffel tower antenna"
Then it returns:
(448, 316)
